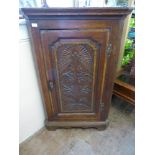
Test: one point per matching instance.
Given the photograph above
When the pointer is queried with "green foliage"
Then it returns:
(128, 44)
(128, 57)
(132, 23)
(129, 51)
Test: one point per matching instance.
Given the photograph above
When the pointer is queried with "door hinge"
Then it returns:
(101, 106)
(108, 50)
(51, 85)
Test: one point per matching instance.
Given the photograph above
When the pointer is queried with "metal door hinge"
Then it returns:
(101, 106)
(108, 50)
(51, 85)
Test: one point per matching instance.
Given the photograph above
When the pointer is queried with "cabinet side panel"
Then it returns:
(40, 67)
(112, 64)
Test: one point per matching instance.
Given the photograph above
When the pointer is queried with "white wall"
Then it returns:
(31, 114)
(60, 3)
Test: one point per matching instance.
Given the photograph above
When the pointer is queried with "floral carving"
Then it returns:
(75, 71)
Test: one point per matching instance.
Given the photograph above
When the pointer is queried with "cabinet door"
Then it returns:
(75, 62)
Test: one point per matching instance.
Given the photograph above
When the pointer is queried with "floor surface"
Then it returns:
(117, 139)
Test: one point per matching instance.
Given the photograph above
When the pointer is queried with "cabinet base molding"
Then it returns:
(53, 125)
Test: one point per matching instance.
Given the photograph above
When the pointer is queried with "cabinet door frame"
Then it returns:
(102, 38)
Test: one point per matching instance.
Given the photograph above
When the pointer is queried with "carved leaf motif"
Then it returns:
(68, 76)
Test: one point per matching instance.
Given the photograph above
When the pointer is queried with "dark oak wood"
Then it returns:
(52, 125)
(124, 91)
(76, 53)
(44, 13)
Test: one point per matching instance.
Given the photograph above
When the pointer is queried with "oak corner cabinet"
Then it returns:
(76, 52)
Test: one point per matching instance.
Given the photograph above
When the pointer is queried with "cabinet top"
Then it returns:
(42, 13)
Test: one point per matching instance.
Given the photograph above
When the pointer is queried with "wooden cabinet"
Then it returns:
(76, 52)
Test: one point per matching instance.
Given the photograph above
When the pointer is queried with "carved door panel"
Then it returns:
(75, 62)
